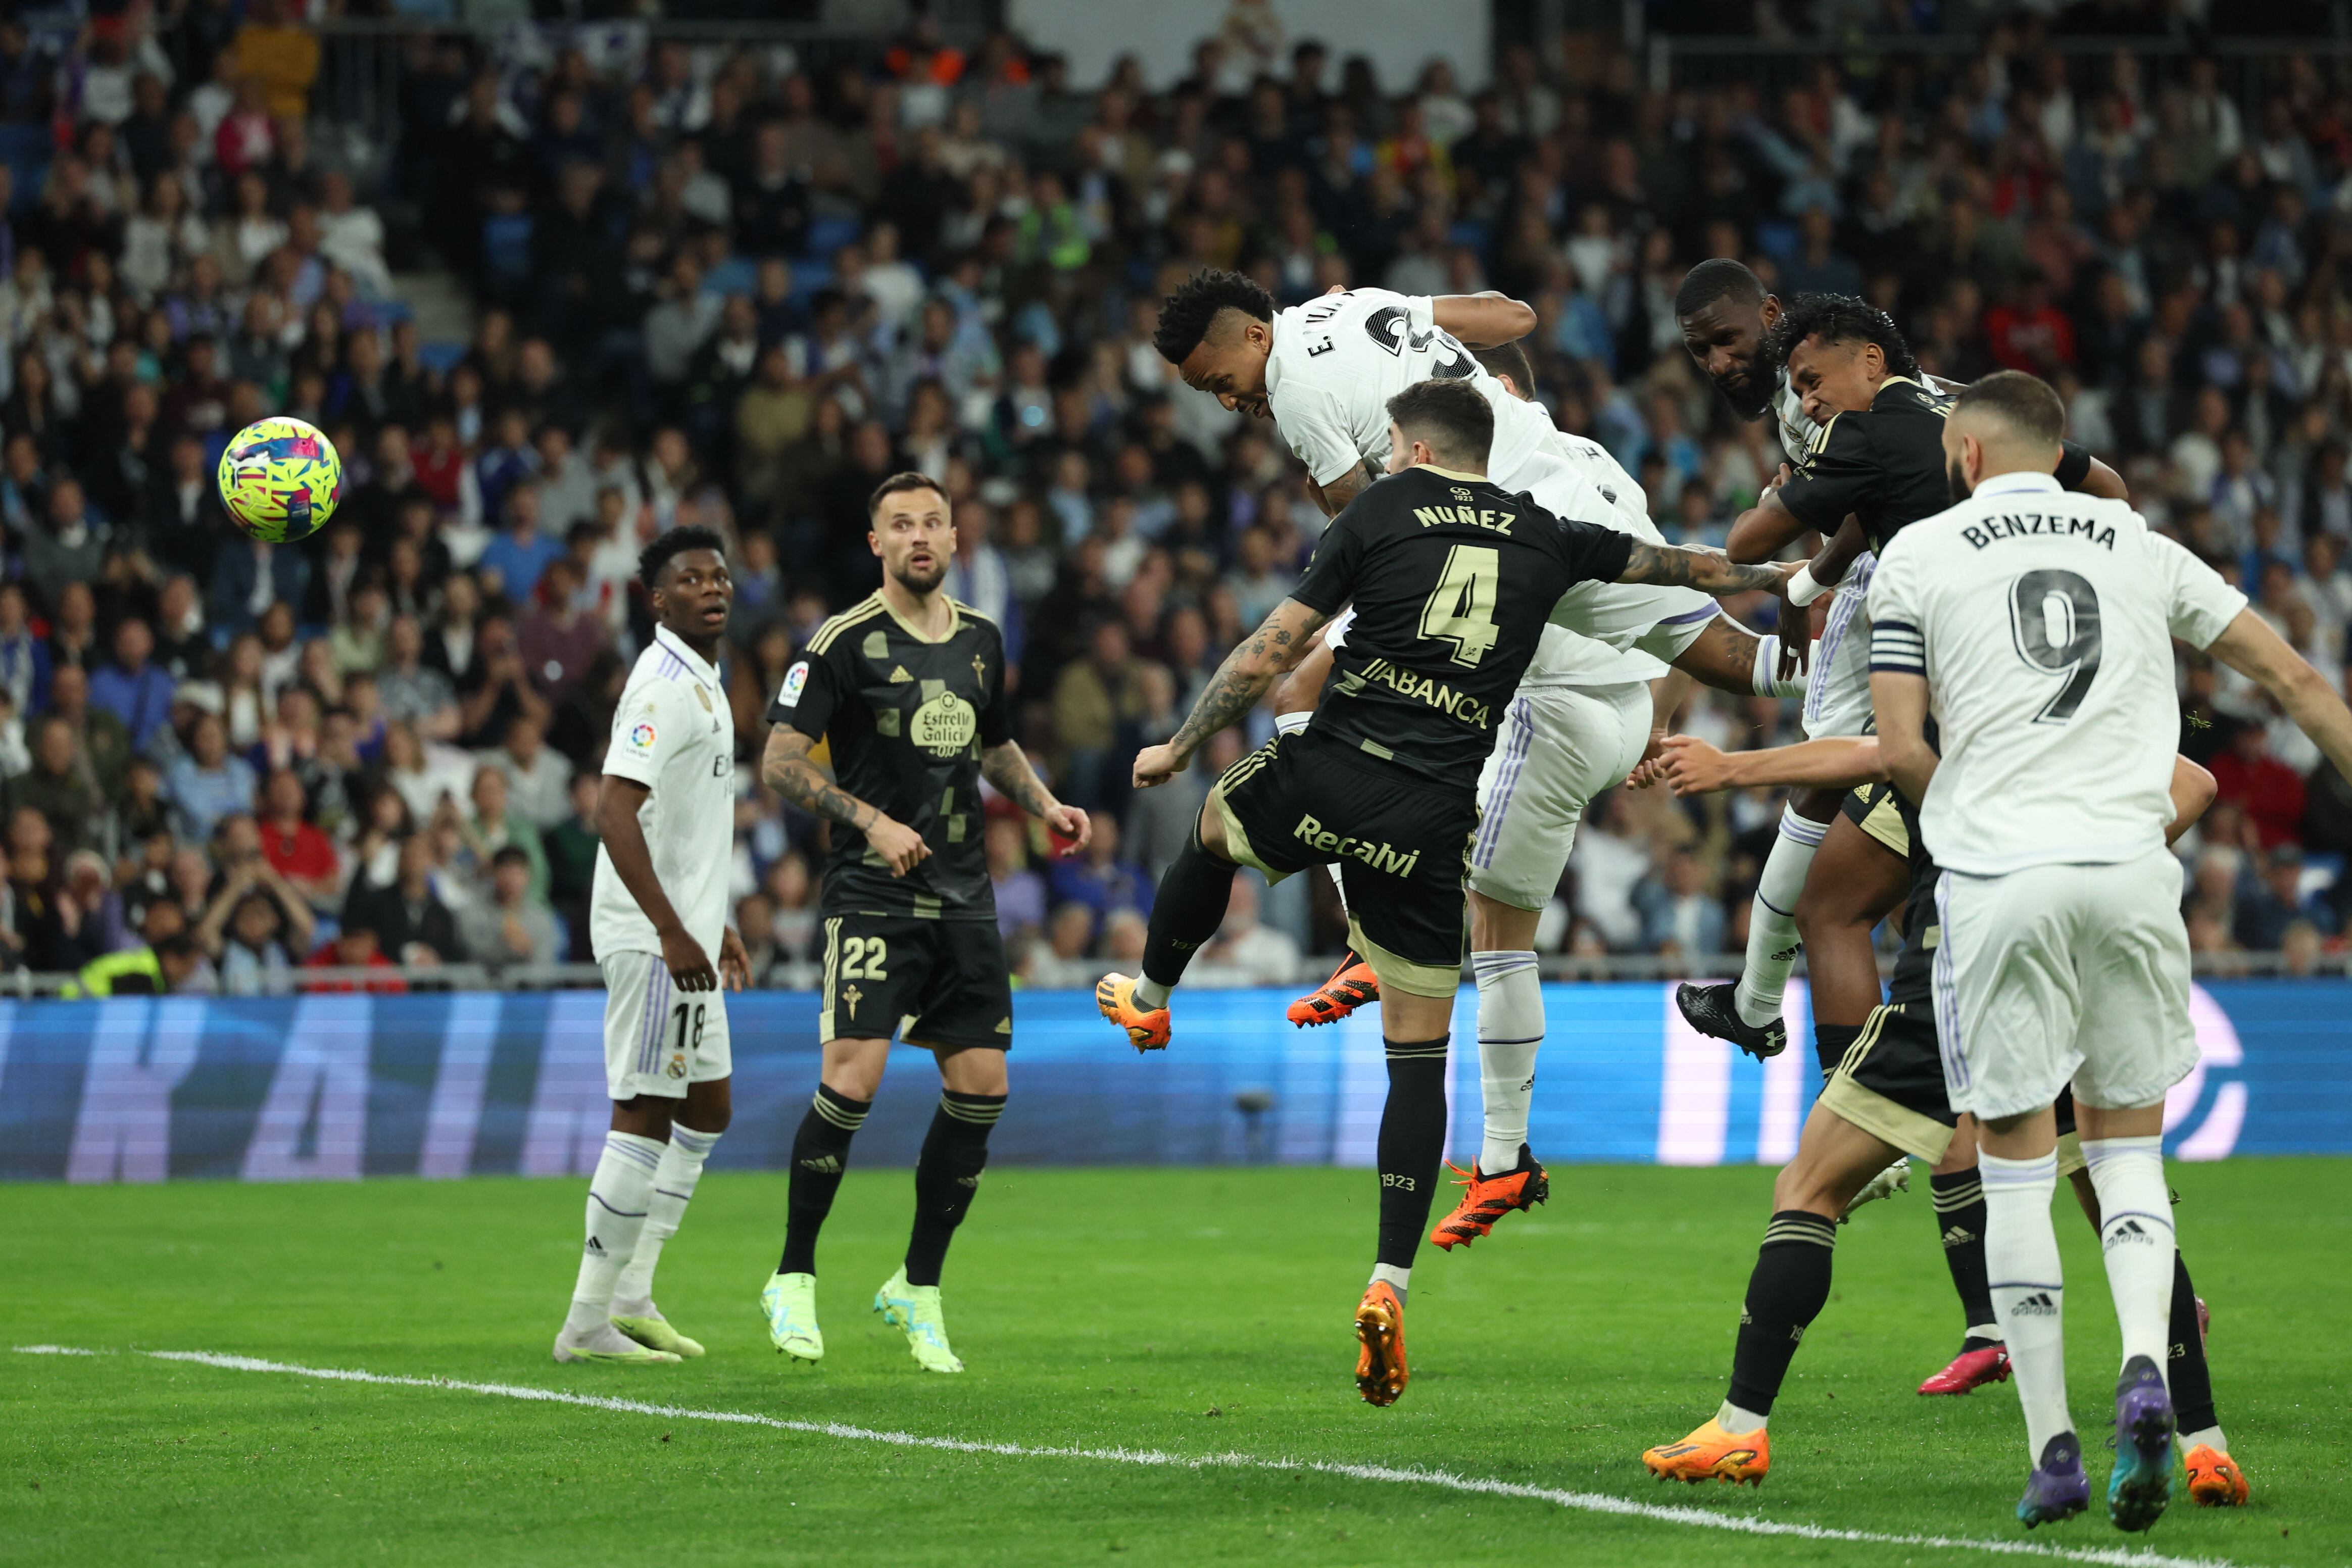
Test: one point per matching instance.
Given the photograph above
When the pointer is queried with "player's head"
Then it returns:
(1216, 330)
(685, 574)
(1443, 423)
(2008, 423)
(1838, 350)
(1508, 363)
(1725, 313)
(911, 531)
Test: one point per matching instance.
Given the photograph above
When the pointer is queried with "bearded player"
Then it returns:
(907, 690)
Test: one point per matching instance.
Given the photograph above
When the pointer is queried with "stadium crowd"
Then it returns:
(715, 286)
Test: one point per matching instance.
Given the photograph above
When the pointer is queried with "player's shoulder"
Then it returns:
(1903, 397)
(832, 632)
(969, 619)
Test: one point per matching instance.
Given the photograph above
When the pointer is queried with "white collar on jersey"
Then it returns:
(673, 643)
(2001, 484)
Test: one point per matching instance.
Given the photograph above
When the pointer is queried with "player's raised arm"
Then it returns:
(1483, 320)
(2250, 647)
(1255, 665)
(1708, 571)
(1688, 766)
(786, 768)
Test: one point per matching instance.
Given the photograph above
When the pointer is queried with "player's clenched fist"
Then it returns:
(901, 847)
(1157, 765)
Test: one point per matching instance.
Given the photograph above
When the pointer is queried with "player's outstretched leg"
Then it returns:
(1411, 1147)
(1506, 1177)
(1749, 1013)
(634, 1312)
(618, 1199)
(1786, 1292)
(819, 1159)
(1189, 907)
(2214, 1479)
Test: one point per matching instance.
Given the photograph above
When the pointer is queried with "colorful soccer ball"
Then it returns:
(280, 479)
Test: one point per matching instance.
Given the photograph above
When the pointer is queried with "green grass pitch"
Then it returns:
(1193, 1312)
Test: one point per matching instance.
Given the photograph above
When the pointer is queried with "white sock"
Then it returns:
(1772, 918)
(1149, 995)
(2136, 1235)
(1766, 678)
(1733, 1419)
(674, 1179)
(2028, 1289)
(1398, 1279)
(1510, 1031)
(2205, 1438)
(1339, 883)
(618, 1195)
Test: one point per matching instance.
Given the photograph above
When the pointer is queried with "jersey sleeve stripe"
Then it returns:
(831, 629)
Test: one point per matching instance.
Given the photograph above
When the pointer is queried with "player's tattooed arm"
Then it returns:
(1334, 496)
(786, 768)
(1708, 571)
(1007, 770)
(1262, 658)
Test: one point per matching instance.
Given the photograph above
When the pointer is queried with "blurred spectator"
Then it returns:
(510, 926)
(1244, 952)
(1675, 908)
(1099, 878)
(208, 782)
(132, 689)
(409, 919)
(2271, 793)
(1020, 891)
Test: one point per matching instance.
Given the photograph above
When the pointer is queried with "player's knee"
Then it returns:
(1803, 1184)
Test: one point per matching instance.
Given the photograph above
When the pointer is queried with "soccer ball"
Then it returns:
(280, 479)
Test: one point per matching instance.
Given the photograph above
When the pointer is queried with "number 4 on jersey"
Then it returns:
(1460, 609)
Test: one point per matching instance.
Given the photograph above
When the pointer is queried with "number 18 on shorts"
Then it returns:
(657, 1038)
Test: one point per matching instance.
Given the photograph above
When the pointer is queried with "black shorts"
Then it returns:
(1878, 810)
(944, 982)
(1891, 1083)
(1306, 800)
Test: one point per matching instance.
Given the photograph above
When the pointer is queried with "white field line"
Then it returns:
(1587, 1502)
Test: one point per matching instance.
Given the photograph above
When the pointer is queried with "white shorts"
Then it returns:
(1558, 748)
(1837, 690)
(2055, 973)
(659, 1039)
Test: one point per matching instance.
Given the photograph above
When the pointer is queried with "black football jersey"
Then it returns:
(1452, 579)
(1887, 467)
(905, 720)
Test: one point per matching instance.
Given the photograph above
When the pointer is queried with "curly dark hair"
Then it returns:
(667, 547)
(1185, 315)
(1838, 319)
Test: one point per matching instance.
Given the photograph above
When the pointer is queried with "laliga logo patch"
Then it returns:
(641, 736)
(796, 680)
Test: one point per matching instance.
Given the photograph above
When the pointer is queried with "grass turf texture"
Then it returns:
(1191, 1312)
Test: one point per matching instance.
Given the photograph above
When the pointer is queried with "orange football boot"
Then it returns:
(1352, 985)
(1380, 1373)
(2214, 1479)
(1712, 1452)
(1487, 1199)
(1115, 996)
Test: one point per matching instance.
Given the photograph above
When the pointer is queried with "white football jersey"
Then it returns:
(1335, 363)
(674, 733)
(2043, 621)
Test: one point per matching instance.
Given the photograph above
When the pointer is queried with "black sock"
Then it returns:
(1831, 1042)
(947, 1176)
(1187, 911)
(2191, 1379)
(1786, 1293)
(1960, 1221)
(819, 1155)
(1411, 1146)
